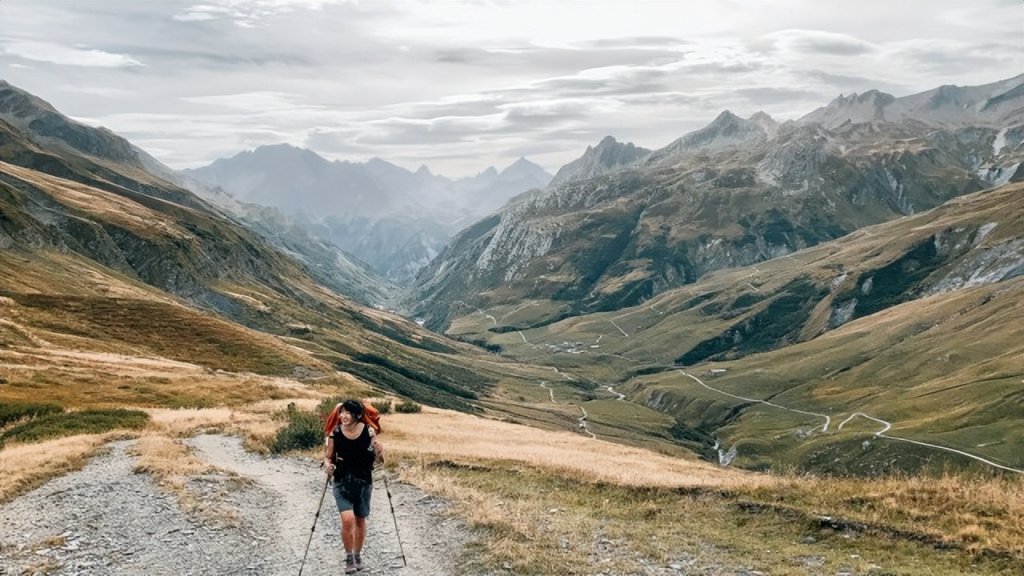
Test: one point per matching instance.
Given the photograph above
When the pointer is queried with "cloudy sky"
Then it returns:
(460, 86)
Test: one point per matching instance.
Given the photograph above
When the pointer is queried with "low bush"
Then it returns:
(304, 430)
(408, 407)
(56, 425)
(14, 412)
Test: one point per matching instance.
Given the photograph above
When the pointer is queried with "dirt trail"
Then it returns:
(258, 511)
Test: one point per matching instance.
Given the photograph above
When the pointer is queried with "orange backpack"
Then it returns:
(371, 417)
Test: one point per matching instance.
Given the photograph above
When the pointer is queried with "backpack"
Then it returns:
(371, 417)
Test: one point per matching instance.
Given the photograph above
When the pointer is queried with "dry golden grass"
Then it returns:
(442, 434)
(102, 379)
(550, 502)
(545, 498)
(522, 532)
(26, 466)
(167, 459)
(968, 512)
(172, 466)
(110, 207)
(254, 423)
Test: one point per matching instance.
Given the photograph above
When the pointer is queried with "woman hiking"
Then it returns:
(351, 452)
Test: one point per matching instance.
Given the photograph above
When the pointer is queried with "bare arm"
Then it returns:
(329, 455)
(378, 449)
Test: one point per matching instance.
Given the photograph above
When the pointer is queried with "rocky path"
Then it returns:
(254, 518)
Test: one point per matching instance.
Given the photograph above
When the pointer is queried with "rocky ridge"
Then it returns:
(737, 192)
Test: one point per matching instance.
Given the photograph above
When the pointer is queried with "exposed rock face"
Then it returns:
(995, 105)
(608, 156)
(737, 192)
(726, 131)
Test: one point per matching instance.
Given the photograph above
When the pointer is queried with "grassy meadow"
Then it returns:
(555, 473)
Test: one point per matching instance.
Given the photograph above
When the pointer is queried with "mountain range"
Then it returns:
(737, 192)
(391, 218)
(770, 290)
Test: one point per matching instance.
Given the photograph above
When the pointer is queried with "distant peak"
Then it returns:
(725, 116)
(869, 96)
(278, 148)
(423, 171)
(607, 141)
(521, 165)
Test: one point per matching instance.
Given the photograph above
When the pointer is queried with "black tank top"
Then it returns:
(353, 457)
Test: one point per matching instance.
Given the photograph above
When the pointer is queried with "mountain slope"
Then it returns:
(737, 192)
(101, 255)
(915, 322)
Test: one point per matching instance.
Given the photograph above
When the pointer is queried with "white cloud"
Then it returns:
(470, 84)
(246, 13)
(812, 42)
(68, 55)
(265, 101)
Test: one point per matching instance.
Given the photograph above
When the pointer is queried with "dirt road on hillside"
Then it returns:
(256, 517)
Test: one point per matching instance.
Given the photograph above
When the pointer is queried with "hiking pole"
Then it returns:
(317, 517)
(393, 517)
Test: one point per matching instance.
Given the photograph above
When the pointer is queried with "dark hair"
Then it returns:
(353, 407)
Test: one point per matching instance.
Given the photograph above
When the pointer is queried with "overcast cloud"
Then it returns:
(462, 86)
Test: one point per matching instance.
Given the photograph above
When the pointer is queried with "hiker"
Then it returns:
(351, 452)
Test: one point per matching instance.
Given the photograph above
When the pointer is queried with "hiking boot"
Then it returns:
(358, 562)
(350, 564)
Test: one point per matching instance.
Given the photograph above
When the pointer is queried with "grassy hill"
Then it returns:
(934, 346)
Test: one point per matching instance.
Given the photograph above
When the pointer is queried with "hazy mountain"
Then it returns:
(726, 131)
(995, 105)
(736, 192)
(391, 218)
(608, 156)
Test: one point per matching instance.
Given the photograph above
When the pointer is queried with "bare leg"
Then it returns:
(348, 531)
(358, 534)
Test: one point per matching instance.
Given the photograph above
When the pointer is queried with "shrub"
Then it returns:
(326, 405)
(383, 405)
(408, 407)
(11, 413)
(304, 430)
(71, 423)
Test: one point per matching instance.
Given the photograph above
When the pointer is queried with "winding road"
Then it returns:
(887, 425)
(879, 434)
(827, 420)
(824, 428)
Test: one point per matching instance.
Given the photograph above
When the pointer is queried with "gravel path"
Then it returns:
(253, 518)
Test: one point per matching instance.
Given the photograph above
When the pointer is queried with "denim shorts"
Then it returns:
(353, 494)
